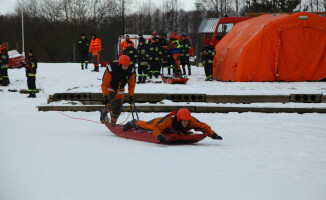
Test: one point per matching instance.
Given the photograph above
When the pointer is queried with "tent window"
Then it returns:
(223, 29)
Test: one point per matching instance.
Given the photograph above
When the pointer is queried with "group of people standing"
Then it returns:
(152, 55)
(157, 53)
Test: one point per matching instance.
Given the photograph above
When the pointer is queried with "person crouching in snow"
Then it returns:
(179, 122)
(115, 78)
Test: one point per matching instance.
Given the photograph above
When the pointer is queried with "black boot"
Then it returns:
(82, 66)
(104, 116)
(189, 70)
(144, 79)
(33, 95)
(139, 80)
(95, 69)
(5, 82)
(86, 65)
(129, 125)
(30, 94)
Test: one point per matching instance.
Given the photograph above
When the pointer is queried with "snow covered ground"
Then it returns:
(46, 155)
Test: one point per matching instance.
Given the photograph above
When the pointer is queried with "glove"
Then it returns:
(162, 139)
(106, 100)
(216, 137)
(131, 99)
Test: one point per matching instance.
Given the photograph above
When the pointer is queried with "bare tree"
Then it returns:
(212, 7)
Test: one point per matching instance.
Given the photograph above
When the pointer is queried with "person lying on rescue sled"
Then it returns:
(179, 122)
(115, 78)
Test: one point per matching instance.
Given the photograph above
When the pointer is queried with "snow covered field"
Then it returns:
(45, 155)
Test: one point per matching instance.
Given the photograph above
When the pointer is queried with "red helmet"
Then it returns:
(154, 33)
(183, 114)
(124, 60)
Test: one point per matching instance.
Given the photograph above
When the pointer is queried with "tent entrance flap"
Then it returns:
(302, 54)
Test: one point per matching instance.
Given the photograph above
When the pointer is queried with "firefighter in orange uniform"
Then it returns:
(95, 49)
(115, 78)
(178, 122)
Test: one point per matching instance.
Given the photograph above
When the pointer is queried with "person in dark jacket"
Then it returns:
(141, 38)
(152, 57)
(4, 64)
(116, 76)
(143, 55)
(159, 50)
(131, 52)
(30, 65)
(185, 54)
(207, 55)
(83, 46)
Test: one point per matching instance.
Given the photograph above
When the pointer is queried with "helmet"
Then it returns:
(154, 33)
(124, 60)
(183, 114)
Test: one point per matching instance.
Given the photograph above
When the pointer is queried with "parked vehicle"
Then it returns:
(224, 25)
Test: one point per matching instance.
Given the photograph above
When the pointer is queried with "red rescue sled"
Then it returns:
(174, 80)
(146, 136)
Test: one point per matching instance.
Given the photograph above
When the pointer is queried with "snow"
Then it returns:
(46, 155)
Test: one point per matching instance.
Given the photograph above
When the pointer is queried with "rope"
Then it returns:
(77, 118)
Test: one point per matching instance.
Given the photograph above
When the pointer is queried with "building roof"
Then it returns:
(208, 25)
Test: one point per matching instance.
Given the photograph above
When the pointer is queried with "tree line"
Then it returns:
(52, 27)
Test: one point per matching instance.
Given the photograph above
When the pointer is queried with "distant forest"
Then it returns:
(52, 27)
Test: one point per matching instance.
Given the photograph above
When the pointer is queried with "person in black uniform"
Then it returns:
(131, 52)
(207, 55)
(83, 46)
(158, 58)
(30, 65)
(185, 54)
(141, 38)
(143, 56)
(4, 64)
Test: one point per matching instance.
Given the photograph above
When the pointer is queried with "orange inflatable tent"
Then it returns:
(273, 48)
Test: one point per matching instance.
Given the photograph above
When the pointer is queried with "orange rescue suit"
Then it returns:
(115, 79)
(165, 124)
(95, 46)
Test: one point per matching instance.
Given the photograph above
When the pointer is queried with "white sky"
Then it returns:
(8, 6)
